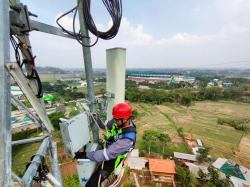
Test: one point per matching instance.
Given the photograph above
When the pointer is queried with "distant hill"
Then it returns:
(50, 70)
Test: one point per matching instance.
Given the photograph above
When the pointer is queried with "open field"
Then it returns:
(200, 121)
(52, 77)
(197, 121)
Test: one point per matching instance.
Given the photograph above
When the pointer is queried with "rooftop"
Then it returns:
(231, 168)
(185, 156)
(162, 166)
(239, 182)
(137, 162)
(219, 163)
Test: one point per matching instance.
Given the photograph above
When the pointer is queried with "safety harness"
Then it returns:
(121, 133)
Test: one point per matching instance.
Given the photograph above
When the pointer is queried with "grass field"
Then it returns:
(197, 121)
(200, 121)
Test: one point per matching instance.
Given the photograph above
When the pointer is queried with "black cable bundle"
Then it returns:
(34, 75)
(114, 8)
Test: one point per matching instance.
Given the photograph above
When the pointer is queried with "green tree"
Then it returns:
(164, 139)
(131, 84)
(180, 132)
(185, 178)
(135, 114)
(151, 137)
(214, 176)
(203, 176)
(55, 119)
(203, 154)
(74, 113)
(215, 179)
(186, 100)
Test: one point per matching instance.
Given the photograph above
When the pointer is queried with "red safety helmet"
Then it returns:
(122, 110)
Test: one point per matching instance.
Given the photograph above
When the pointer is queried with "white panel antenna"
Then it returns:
(75, 133)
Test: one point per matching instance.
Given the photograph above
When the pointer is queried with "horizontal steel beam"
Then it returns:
(32, 169)
(30, 140)
(42, 27)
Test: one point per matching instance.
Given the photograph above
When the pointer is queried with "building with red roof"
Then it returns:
(162, 171)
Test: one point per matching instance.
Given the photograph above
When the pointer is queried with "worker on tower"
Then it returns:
(120, 140)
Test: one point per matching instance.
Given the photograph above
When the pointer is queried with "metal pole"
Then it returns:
(54, 161)
(5, 115)
(88, 68)
(30, 140)
(32, 169)
(25, 109)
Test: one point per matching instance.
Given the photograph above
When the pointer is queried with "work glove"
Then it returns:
(80, 155)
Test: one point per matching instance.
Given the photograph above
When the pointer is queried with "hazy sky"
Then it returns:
(156, 33)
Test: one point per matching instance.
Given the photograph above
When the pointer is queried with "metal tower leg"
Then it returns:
(88, 69)
(5, 115)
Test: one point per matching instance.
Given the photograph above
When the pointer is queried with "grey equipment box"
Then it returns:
(86, 167)
(75, 133)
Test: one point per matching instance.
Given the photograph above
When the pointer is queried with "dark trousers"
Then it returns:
(108, 168)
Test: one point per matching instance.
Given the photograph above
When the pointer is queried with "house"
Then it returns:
(185, 157)
(134, 153)
(236, 172)
(137, 163)
(162, 171)
(227, 84)
(210, 84)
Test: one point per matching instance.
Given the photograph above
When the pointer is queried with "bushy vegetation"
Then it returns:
(185, 178)
(159, 143)
(55, 119)
(25, 134)
(71, 181)
(238, 124)
(135, 114)
(211, 179)
(203, 154)
(183, 96)
(62, 92)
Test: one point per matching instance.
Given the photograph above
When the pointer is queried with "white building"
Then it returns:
(232, 167)
(185, 157)
(137, 163)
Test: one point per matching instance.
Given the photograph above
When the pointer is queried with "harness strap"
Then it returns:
(129, 129)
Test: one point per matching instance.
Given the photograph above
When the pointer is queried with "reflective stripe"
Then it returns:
(112, 136)
(105, 154)
(119, 159)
